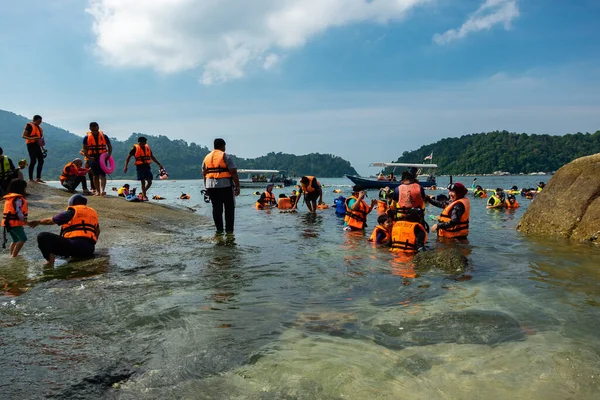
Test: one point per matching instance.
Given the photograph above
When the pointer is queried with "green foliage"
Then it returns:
(484, 153)
(182, 160)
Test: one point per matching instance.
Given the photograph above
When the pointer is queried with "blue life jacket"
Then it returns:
(340, 205)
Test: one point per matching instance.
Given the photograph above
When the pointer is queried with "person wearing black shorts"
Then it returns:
(311, 188)
(143, 158)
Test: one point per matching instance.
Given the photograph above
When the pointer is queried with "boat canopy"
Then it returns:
(258, 171)
(407, 165)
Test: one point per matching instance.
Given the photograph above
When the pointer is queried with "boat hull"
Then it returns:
(366, 183)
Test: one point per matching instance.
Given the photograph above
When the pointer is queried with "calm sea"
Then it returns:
(292, 307)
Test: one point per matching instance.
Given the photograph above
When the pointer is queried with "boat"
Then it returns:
(425, 174)
(259, 178)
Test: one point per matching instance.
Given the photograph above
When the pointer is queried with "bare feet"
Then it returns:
(38, 180)
(86, 192)
(103, 194)
(50, 262)
(31, 181)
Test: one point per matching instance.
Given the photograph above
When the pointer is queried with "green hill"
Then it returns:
(485, 153)
(183, 160)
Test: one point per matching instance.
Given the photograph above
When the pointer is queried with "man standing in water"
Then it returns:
(34, 138)
(222, 185)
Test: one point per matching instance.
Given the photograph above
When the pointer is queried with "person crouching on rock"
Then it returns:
(74, 174)
(78, 234)
(454, 220)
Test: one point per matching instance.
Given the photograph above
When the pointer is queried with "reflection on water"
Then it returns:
(294, 307)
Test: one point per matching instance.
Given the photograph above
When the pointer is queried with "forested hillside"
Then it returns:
(484, 153)
(183, 160)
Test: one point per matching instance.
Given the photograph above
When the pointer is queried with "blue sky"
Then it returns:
(365, 80)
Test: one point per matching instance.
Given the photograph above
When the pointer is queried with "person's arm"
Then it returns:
(262, 198)
(45, 221)
(204, 169)
(437, 203)
(297, 198)
(108, 145)
(98, 232)
(19, 209)
(84, 150)
(131, 154)
(59, 219)
(420, 236)
(236, 181)
(356, 205)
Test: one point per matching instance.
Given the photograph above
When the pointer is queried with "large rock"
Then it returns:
(449, 260)
(569, 205)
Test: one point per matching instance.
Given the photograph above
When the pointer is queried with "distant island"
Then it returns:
(514, 153)
(181, 159)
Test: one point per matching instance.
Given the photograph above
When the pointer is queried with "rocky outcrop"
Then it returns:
(449, 260)
(569, 205)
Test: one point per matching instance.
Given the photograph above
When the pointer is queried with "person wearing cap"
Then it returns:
(73, 174)
(79, 231)
(357, 210)
(222, 185)
(311, 189)
(143, 158)
(454, 220)
(497, 200)
(267, 198)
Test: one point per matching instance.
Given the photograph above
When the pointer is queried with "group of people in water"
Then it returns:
(79, 223)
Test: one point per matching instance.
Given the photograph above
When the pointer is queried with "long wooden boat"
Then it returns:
(260, 178)
(426, 179)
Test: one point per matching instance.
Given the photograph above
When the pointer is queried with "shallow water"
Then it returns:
(293, 307)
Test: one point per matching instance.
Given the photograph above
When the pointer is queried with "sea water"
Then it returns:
(293, 307)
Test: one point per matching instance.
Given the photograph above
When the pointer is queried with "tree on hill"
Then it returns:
(485, 153)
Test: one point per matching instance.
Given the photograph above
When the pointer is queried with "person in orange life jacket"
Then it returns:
(143, 158)
(383, 231)
(357, 210)
(511, 201)
(34, 136)
(15, 215)
(267, 198)
(222, 185)
(454, 220)
(94, 144)
(78, 235)
(409, 194)
(8, 171)
(311, 188)
(409, 235)
(74, 174)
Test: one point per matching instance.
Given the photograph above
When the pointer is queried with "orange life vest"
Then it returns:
(376, 231)
(404, 238)
(142, 155)
(215, 165)
(11, 218)
(83, 224)
(409, 196)
(356, 218)
(382, 207)
(460, 230)
(268, 201)
(309, 187)
(65, 172)
(95, 149)
(36, 131)
(508, 204)
(285, 203)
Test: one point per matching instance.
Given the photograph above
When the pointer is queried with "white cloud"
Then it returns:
(224, 38)
(490, 13)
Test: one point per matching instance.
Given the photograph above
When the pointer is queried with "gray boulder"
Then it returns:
(569, 205)
(449, 260)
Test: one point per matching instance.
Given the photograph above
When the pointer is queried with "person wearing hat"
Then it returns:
(267, 198)
(143, 158)
(78, 234)
(73, 175)
(454, 220)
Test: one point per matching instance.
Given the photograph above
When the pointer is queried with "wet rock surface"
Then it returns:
(569, 205)
(448, 260)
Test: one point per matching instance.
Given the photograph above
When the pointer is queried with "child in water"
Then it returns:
(383, 231)
(15, 215)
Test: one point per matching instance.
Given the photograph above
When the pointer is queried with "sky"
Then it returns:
(362, 79)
